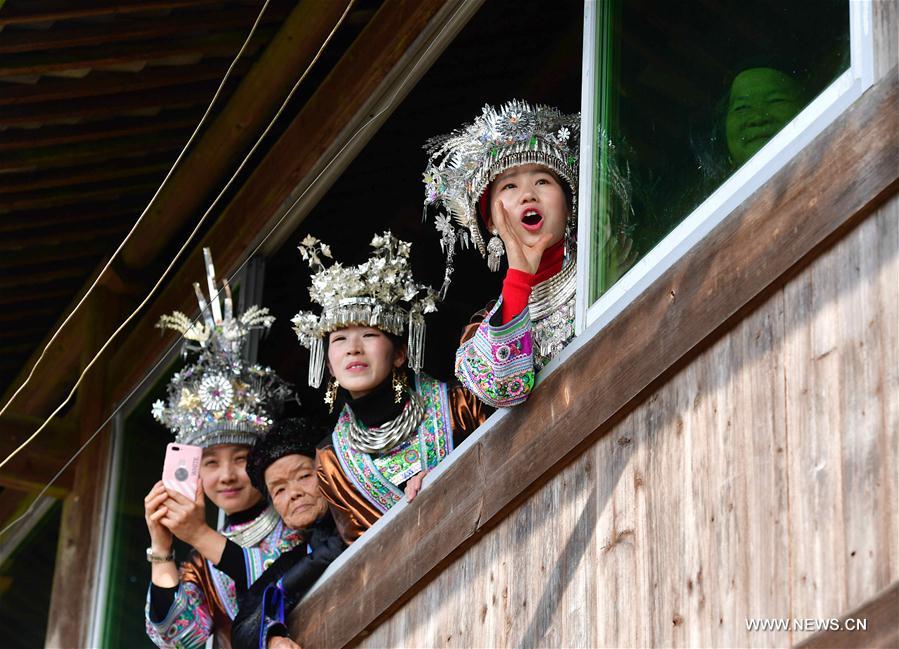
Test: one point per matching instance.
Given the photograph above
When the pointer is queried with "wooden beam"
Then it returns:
(43, 199)
(40, 11)
(39, 256)
(173, 121)
(182, 96)
(881, 625)
(37, 219)
(35, 466)
(338, 102)
(50, 157)
(77, 58)
(154, 166)
(782, 226)
(84, 34)
(59, 292)
(100, 83)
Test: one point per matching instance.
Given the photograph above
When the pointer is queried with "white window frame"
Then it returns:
(797, 134)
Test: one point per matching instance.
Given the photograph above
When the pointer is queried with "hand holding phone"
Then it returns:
(181, 470)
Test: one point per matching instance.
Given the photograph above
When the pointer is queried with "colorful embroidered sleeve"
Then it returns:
(497, 362)
(258, 558)
(188, 622)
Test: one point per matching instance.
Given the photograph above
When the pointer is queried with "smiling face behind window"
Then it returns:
(761, 102)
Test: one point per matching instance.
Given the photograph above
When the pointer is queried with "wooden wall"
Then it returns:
(759, 481)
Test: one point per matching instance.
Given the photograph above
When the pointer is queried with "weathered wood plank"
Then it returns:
(693, 493)
(176, 96)
(225, 44)
(881, 632)
(38, 11)
(174, 121)
(100, 83)
(82, 34)
(842, 421)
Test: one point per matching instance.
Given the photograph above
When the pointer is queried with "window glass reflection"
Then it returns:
(687, 92)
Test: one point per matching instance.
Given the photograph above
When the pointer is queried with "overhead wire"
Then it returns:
(372, 118)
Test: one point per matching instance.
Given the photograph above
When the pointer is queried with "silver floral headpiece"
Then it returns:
(380, 292)
(219, 399)
(463, 163)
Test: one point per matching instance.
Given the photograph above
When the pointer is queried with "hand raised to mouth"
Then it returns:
(522, 256)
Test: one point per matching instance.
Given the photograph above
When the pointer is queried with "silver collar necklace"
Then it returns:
(549, 295)
(253, 532)
(389, 435)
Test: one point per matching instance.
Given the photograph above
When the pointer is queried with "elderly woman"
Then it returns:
(396, 423)
(282, 467)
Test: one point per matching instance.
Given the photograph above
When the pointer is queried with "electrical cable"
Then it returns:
(385, 106)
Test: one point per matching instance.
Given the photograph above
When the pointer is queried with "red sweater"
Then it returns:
(517, 285)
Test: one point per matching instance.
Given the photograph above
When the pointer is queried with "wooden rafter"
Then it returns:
(89, 34)
(100, 83)
(191, 94)
(44, 199)
(39, 11)
(150, 165)
(168, 121)
(82, 153)
(77, 58)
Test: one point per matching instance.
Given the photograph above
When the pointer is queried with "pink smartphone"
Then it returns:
(181, 471)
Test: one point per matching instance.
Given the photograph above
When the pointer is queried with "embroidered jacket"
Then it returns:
(205, 600)
(499, 362)
(361, 487)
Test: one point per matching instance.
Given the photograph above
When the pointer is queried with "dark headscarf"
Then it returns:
(295, 436)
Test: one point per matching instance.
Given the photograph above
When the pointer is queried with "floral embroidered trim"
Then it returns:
(497, 363)
(433, 441)
(188, 622)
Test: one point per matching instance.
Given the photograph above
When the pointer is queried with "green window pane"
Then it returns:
(141, 454)
(26, 582)
(686, 93)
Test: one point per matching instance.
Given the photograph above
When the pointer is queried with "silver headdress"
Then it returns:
(463, 163)
(378, 293)
(219, 399)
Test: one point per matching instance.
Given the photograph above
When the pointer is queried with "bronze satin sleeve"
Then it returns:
(196, 570)
(467, 412)
(351, 511)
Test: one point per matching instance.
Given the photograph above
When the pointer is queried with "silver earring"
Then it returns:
(495, 251)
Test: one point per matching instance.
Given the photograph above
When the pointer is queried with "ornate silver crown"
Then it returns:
(219, 399)
(380, 292)
(462, 164)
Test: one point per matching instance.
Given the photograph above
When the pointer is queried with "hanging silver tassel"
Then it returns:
(316, 362)
(416, 341)
(495, 252)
